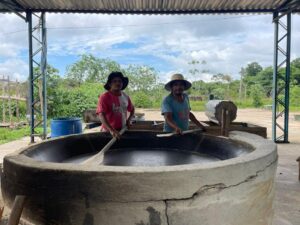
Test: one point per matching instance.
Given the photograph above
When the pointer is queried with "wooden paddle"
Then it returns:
(98, 158)
(184, 132)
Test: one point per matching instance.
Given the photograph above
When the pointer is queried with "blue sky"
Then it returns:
(167, 43)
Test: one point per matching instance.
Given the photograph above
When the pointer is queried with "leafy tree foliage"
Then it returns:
(253, 69)
(265, 79)
(257, 94)
(142, 78)
(295, 71)
(83, 83)
(91, 69)
(72, 102)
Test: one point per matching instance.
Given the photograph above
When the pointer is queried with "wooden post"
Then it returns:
(225, 123)
(9, 101)
(3, 103)
(17, 101)
(16, 210)
(299, 166)
(213, 110)
(1, 212)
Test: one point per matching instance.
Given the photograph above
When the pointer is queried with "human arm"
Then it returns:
(166, 111)
(170, 122)
(130, 109)
(111, 130)
(103, 107)
(195, 121)
(129, 118)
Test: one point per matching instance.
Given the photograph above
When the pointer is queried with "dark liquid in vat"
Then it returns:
(148, 157)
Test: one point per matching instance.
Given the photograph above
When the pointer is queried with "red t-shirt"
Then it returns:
(115, 109)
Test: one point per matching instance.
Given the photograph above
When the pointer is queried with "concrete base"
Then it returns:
(235, 191)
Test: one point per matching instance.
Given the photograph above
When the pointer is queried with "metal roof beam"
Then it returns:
(289, 6)
(160, 12)
(223, 7)
(13, 7)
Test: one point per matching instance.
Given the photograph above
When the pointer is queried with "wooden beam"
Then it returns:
(3, 105)
(16, 210)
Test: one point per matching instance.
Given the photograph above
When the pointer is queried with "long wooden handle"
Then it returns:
(16, 210)
(184, 132)
(98, 158)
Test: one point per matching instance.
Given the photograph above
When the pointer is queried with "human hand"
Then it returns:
(203, 128)
(115, 133)
(128, 124)
(178, 130)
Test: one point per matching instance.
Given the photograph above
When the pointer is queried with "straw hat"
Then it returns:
(113, 75)
(177, 77)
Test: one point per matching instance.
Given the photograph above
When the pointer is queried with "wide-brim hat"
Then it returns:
(178, 77)
(113, 75)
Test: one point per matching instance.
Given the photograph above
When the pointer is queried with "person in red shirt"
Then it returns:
(114, 104)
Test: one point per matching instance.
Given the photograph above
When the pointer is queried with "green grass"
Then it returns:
(8, 134)
(198, 105)
(294, 108)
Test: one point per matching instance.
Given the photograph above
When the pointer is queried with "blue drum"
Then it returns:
(65, 126)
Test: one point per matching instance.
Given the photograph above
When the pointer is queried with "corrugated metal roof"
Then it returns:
(150, 6)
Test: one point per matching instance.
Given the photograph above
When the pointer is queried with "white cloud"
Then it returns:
(16, 69)
(225, 42)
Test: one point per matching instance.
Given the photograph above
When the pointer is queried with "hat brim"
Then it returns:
(187, 84)
(124, 81)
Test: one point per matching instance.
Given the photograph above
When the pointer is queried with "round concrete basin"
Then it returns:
(145, 180)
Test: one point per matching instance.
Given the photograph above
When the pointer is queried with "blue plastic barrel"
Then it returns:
(65, 126)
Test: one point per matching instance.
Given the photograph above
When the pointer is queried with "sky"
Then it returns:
(166, 42)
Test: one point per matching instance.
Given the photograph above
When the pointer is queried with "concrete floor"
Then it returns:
(287, 199)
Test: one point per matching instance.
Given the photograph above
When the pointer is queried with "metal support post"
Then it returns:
(37, 72)
(281, 82)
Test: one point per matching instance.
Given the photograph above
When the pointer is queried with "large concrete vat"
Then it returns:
(201, 179)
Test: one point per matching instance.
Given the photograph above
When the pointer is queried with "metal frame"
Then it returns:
(13, 6)
(281, 84)
(161, 12)
(37, 38)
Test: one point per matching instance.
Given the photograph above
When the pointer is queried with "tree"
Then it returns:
(141, 100)
(199, 87)
(296, 63)
(294, 95)
(72, 102)
(265, 79)
(256, 94)
(295, 71)
(249, 75)
(141, 78)
(195, 70)
(222, 78)
(253, 69)
(225, 79)
(53, 81)
(91, 69)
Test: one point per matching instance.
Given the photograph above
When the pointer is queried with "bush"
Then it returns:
(257, 95)
(72, 102)
(295, 96)
(141, 100)
(22, 110)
